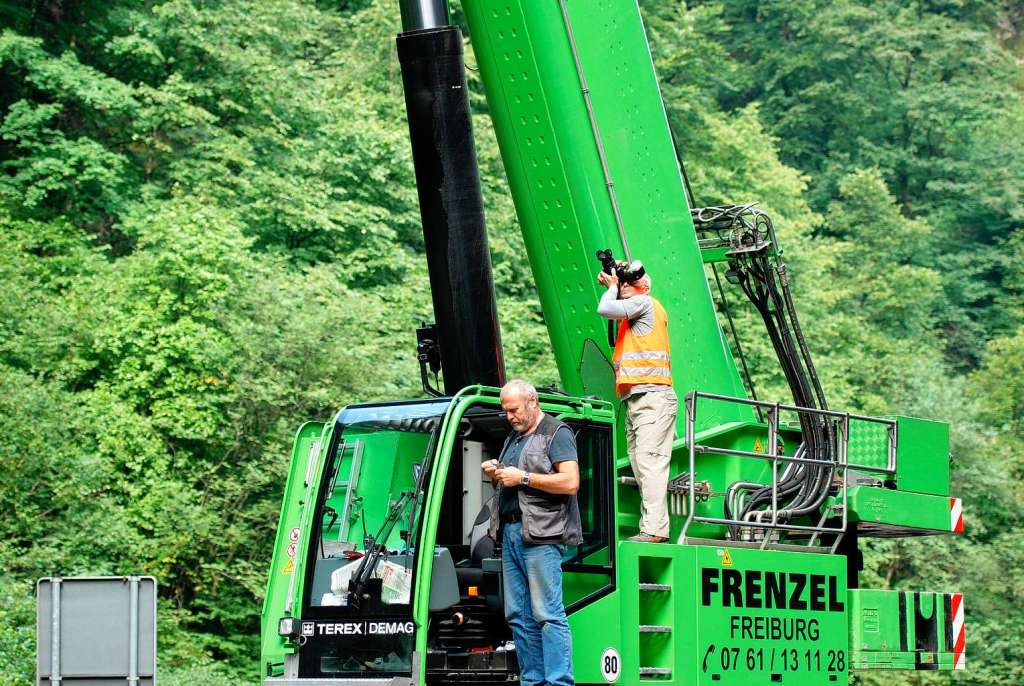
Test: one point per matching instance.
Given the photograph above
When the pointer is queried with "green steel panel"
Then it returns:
(888, 511)
(559, 190)
(712, 255)
(922, 456)
(596, 628)
(746, 629)
(868, 444)
(667, 566)
(283, 567)
(875, 623)
(901, 630)
(727, 628)
(868, 659)
(922, 452)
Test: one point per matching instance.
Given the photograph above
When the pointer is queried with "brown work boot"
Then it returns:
(647, 538)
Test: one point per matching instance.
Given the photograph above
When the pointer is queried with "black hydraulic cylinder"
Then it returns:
(423, 14)
(451, 207)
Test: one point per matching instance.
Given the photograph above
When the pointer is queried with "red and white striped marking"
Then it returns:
(956, 516)
(959, 635)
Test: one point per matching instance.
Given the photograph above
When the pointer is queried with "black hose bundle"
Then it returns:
(756, 265)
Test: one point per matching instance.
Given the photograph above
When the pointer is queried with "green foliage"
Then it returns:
(900, 121)
(17, 631)
(1003, 363)
(925, 93)
(210, 234)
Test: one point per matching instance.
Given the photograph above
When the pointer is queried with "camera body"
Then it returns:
(628, 272)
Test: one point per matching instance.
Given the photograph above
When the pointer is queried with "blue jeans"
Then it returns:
(534, 609)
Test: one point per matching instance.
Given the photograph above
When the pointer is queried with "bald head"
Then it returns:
(519, 401)
(520, 389)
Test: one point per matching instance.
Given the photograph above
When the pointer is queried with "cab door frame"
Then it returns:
(588, 410)
(603, 499)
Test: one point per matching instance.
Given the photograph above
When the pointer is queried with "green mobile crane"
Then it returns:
(382, 569)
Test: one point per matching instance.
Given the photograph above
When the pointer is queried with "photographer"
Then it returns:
(643, 379)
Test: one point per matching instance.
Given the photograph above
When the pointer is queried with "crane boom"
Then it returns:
(587, 173)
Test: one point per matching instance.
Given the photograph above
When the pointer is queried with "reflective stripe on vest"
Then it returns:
(643, 359)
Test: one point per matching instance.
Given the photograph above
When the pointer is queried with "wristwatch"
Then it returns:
(526, 479)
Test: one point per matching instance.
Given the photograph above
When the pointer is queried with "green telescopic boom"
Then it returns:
(591, 164)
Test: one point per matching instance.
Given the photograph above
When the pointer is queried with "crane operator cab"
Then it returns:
(384, 567)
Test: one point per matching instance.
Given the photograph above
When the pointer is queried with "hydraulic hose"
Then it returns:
(801, 490)
(755, 264)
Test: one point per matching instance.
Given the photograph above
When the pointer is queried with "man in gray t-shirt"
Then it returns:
(563, 447)
(531, 569)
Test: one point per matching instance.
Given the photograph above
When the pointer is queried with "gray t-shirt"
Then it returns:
(562, 449)
(639, 310)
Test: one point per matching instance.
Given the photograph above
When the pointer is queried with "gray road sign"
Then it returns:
(96, 631)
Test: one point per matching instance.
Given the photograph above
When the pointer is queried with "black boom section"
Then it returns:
(451, 206)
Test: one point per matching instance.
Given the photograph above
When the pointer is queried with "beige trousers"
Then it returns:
(650, 430)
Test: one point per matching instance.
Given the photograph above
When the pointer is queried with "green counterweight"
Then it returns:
(561, 192)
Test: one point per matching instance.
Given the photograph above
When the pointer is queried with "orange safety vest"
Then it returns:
(643, 359)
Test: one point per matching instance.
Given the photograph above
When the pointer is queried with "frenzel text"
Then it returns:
(764, 589)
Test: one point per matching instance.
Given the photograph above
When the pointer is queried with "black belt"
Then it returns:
(511, 518)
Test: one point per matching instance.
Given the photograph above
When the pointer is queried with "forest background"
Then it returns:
(209, 228)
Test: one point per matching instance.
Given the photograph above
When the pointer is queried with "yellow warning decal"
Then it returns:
(289, 567)
(758, 446)
(726, 558)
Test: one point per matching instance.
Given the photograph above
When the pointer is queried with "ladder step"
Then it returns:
(655, 587)
(655, 671)
(655, 629)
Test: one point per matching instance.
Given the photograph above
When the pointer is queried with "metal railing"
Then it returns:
(841, 424)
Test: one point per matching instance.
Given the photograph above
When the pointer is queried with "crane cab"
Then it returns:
(383, 566)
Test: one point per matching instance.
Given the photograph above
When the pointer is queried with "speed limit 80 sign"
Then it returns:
(611, 665)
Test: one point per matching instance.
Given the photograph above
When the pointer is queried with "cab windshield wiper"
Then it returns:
(357, 585)
(377, 545)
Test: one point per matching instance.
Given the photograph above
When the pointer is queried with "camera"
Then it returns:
(628, 272)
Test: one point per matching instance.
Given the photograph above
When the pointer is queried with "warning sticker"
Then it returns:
(758, 445)
(289, 567)
(726, 557)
